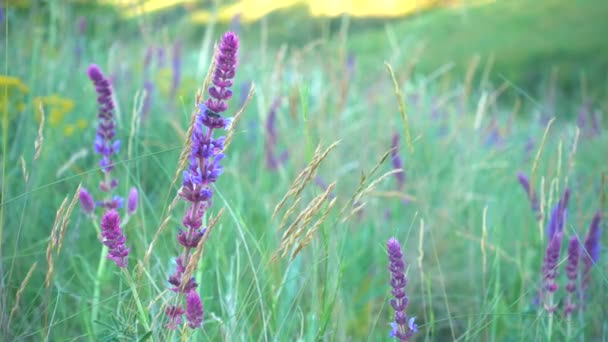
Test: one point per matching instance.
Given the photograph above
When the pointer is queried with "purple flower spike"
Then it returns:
(114, 238)
(552, 254)
(402, 329)
(205, 155)
(132, 201)
(572, 273)
(105, 145)
(225, 67)
(397, 162)
(194, 310)
(86, 201)
(591, 253)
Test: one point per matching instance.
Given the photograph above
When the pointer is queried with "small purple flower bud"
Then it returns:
(86, 201)
(132, 201)
(194, 310)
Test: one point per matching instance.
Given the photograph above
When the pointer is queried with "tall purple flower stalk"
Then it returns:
(402, 328)
(107, 146)
(550, 272)
(591, 253)
(397, 162)
(572, 274)
(525, 184)
(272, 160)
(205, 156)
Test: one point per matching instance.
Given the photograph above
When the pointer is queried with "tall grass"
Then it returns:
(317, 270)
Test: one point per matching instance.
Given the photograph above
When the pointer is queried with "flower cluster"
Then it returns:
(203, 171)
(589, 252)
(107, 145)
(402, 328)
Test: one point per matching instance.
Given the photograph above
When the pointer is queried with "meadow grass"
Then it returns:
(473, 246)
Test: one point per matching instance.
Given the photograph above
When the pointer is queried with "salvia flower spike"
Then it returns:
(203, 171)
(402, 328)
(114, 238)
(105, 143)
(552, 254)
(572, 274)
(591, 253)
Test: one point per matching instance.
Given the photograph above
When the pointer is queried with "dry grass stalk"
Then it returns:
(289, 212)
(73, 159)
(401, 103)
(311, 209)
(65, 220)
(305, 176)
(237, 117)
(361, 187)
(539, 153)
(20, 292)
(392, 194)
(294, 232)
(160, 229)
(53, 241)
(138, 105)
(40, 137)
(194, 259)
(311, 232)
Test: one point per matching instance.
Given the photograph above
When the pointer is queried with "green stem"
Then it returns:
(142, 313)
(97, 287)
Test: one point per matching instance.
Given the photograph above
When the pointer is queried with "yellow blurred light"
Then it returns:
(69, 130)
(13, 82)
(82, 123)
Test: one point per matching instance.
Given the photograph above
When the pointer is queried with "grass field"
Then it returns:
(475, 248)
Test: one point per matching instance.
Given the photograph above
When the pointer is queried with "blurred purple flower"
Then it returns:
(591, 253)
(147, 105)
(397, 162)
(549, 269)
(402, 329)
(272, 161)
(559, 214)
(176, 65)
(572, 273)
(86, 201)
(114, 238)
(132, 201)
(525, 183)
